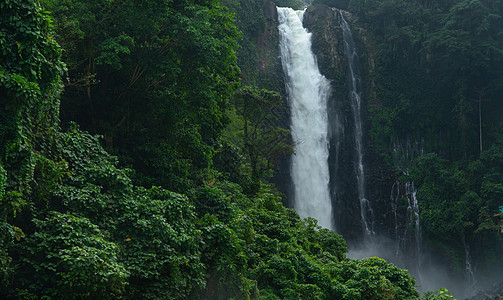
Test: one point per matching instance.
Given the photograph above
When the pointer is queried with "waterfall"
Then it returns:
(413, 213)
(408, 250)
(470, 271)
(406, 191)
(307, 91)
(355, 89)
(352, 188)
(394, 198)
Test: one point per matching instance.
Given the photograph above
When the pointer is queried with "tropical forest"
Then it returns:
(251, 149)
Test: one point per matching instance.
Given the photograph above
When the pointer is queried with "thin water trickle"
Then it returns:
(367, 213)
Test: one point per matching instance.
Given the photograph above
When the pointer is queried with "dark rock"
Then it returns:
(271, 77)
(328, 46)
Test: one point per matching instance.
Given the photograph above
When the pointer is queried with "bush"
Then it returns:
(69, 258)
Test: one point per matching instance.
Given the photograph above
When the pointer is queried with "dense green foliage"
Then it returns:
(29, 89)
(341, 4)
(434, 87)
(441, 294)
(65, 257)
(159, 82)
(434, 62)
(295, 4)
(153, 78)
(458, 203)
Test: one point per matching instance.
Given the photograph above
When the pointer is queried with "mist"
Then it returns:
(428, 269)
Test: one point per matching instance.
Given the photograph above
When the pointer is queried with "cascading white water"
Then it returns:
(395, 196)
(308, 92)
(470, 272)
(413, 212)
(412, 217)
(356, 103)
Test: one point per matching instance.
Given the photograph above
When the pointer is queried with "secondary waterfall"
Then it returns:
(413, 212)
(356, 104)
(470, 271)
(308, 91)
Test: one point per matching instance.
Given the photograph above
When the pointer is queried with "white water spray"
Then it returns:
(308, 92)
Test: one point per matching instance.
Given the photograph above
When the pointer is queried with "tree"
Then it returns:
(69, 257)
(341, 4)
(264, 140)
(468, 50)
(156, 87)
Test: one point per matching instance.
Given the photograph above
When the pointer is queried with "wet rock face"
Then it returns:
(270, 73)
(322, 21)
(328, 46)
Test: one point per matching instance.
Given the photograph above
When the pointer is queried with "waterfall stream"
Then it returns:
(355, 89)
(470, 271)
(307, 91)
(413, 212)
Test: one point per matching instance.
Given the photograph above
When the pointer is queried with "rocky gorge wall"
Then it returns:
(327, 39)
